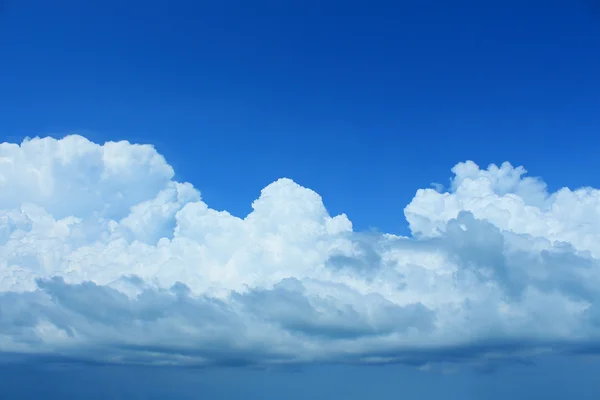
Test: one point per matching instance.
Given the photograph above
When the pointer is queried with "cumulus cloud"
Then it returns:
(105, 258)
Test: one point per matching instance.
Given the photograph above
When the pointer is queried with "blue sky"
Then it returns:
(362, 102)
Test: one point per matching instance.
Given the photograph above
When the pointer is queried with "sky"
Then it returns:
(299, 199)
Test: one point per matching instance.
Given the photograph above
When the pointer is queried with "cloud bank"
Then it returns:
(104, 258)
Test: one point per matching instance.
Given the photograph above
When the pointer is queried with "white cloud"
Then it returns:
(104, 258)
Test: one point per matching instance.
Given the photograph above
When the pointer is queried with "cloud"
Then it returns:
(104, 258)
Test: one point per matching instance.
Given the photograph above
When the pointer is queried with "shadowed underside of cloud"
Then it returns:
(104, 258)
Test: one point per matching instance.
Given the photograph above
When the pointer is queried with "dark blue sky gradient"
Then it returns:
(364, 102)
(552, 379)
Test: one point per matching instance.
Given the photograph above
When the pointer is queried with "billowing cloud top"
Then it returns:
(104, 258)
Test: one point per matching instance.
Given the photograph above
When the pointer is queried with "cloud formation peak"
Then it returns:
(105, 258)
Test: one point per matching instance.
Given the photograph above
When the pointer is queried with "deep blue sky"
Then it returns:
(362, 103)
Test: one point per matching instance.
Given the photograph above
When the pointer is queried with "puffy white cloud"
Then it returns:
(104, 258)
